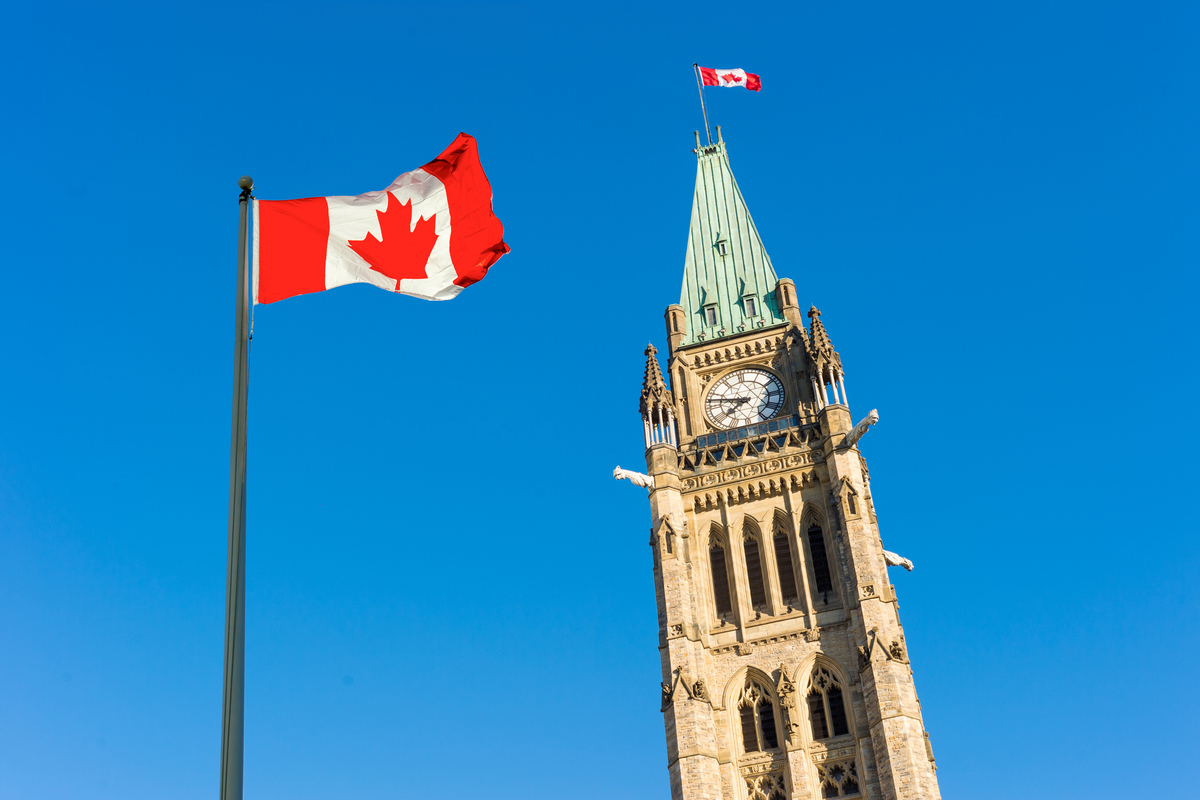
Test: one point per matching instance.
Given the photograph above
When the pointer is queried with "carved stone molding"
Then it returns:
(766, 640)
(767, 345)
(742, 472)
(839, 752)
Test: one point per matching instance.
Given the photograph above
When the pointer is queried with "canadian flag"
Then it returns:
(429, 234)
(731, 77)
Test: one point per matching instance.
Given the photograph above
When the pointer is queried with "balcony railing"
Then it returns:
(746, 432)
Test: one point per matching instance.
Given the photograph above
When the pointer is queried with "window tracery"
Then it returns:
(826, 705)
(838, 779)
(765, 787)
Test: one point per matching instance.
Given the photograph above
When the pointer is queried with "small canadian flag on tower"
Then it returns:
(730, 77)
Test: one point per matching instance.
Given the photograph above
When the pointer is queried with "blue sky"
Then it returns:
(994, 205)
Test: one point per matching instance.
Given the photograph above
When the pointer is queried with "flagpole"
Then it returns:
(700, 89)
(233, 716)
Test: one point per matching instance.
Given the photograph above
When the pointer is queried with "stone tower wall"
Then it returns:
(802, 476)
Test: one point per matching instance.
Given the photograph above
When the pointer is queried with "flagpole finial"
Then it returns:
(245, 183)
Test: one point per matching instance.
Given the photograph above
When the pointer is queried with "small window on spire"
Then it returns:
(721, 248)
(710, 315)
(751, 305)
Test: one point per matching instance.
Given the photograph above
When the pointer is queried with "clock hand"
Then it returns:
(732, 399)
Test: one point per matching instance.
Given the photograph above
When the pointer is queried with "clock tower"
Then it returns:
(785, 673)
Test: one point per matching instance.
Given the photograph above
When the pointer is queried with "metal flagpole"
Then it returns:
(233, 717)
(700, 89)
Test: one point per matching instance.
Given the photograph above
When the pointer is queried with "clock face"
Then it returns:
(744, 397)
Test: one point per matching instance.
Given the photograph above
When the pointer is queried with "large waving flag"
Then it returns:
(429, 234)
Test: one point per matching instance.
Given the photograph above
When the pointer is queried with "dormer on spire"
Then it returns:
(825, 365)
(657, 404)
(728, 281)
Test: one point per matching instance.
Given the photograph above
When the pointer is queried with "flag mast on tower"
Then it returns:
(703, 110)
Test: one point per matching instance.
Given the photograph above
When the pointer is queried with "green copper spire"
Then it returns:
(728, 280)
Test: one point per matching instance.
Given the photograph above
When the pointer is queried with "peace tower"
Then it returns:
(785, 670)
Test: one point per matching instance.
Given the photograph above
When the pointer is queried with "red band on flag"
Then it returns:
(292, 259)
(709, 76)
(478, 239)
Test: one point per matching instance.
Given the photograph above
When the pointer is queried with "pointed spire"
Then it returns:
(820, 347)
(728, 280)
(819, 338)
(654, 388)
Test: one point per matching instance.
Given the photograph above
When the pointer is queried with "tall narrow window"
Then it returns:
(783, 560)
(710, 315)
(816, 713)
(720, 577)
(756, 712)
(837, 711)
(754, 574)
(826, 707)
(751, 308)
(816, 544)
(850, 502)
(749, 729)
(766, 717)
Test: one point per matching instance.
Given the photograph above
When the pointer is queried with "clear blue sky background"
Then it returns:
(995, 206)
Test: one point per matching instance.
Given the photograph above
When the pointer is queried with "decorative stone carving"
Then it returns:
(857, 433)
(636, 478)
(812, 635)
(894, 560)
(700, 691)
(786, 692)
(864, 658)
(743, 648)
(668, 694)
(676, 630)
(896, 651)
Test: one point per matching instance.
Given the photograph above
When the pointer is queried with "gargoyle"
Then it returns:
(895, 560)
(636, 478)
(861, 428)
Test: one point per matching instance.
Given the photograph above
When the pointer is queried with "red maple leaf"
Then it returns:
(404, 251)
(729, 77)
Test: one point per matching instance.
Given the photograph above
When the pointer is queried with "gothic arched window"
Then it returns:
(823, 581)
(756, 711)
(720, 577)
(754, 571)
(838, 779)
(826, 707)
(783, 562)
